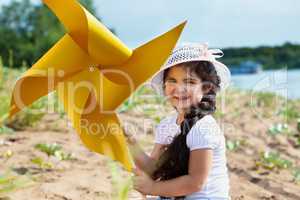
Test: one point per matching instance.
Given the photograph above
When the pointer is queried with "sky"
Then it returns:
(221, 23)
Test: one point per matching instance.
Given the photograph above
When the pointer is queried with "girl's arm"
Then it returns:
(199, 166)
(141, 159)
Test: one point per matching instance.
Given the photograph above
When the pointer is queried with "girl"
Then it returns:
(188, 160)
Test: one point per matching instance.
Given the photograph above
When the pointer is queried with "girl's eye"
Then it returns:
(170, 81)
(190, 82)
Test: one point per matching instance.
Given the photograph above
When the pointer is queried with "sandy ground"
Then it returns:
(88, 177)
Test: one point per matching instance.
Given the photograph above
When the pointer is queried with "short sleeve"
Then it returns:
(158, 135)
(164, 131)
(205, 133)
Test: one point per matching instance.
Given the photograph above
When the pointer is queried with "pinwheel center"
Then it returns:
(92, 68)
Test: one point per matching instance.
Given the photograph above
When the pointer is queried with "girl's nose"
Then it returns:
(181, 88)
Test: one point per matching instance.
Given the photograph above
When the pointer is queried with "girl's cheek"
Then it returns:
(169, 90)
(196, 94)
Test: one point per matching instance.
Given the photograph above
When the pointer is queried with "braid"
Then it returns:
(174, 161)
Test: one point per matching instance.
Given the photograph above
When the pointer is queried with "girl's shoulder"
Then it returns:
(166, 129)
(207, 121)
(207, 124)
(205, 133)
(170, 119)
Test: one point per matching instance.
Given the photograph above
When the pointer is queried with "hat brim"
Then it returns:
(223, 72)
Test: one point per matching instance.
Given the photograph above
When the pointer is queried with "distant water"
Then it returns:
(283, 82)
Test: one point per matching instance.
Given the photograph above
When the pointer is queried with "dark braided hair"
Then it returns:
(174, 161)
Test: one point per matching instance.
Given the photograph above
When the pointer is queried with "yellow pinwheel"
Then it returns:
(93, 73)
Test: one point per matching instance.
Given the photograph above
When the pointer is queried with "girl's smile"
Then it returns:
(181, 101)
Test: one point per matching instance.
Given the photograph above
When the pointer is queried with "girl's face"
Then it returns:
(182, 87)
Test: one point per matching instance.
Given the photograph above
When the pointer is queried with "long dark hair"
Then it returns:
(174, 161)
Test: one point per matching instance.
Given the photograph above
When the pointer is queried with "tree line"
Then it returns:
(275, 57)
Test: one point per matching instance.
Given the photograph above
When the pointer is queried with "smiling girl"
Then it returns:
(188, 160)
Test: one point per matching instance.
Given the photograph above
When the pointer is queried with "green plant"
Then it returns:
(54, 150)
(219, 114)
(126, 106)
(296, 175)
(131, 102)
(157, 119)
(143, 96)
(7, 154)
(289, 111)
(4, 106)
(264, 99)
(10, 58)
(55, 104)
(272, 160)
(279, 129)
(120, 185)
(49, 149)
(1, 73)
(6, 130)
(10, 181)
(41, 163)
(298, 141)
(236, 113)
(29, 116)
(233, 145)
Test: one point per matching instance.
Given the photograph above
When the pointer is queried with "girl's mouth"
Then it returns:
(181, 98)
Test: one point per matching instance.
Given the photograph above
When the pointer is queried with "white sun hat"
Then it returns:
(186, 52)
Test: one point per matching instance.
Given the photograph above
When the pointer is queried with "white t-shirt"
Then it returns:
(205, 133)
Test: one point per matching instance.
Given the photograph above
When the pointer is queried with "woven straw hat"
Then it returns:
(186, 52)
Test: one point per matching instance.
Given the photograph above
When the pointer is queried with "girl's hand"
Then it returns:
(130, 139)
(142, 182)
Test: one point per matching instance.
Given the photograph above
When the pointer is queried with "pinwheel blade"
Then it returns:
(146, 60)
(89, 33)
(94, 118)
(44, 75)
